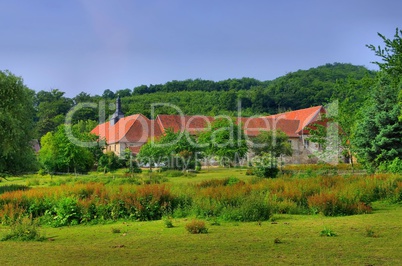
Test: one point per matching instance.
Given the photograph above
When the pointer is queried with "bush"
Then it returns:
(173, 173)
(4, 189)
(116, 230)
(220, 182)
(109, 162)
(370, 232)
(249, 172)
(268, 172)
(168, 222)
(327, 232)
(133, 167)
(253, 208)
(394, 166)
(196, 227)
(33, 182)
(24, 229)
(66, 212)
(233, 180)
(331, 204)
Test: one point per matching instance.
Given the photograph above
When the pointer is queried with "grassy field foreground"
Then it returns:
(374, 238)
(288, 239)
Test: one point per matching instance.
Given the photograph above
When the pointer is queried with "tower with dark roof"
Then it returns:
(118, 113)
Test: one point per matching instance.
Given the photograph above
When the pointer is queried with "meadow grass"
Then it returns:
(291, 239)
(365, 239)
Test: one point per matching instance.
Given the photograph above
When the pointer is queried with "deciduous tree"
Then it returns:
(16, 125)
(270, 145)
(225, 140)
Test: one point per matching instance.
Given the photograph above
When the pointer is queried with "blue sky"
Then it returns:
(91, 46)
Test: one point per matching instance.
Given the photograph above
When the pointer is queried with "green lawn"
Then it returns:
(150, 243)
(285, 239)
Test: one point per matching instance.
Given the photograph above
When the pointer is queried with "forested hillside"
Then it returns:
(296, 90)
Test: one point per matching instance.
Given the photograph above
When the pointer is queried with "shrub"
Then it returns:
(370, 232)
(10, 213)
(215, 222)
(397, 195)
(9, 188)
(220, 182)
(24, 229)
(155, 178)
(212, 183)
(116, 230)
(173, 173)
(249, 172)
(109, 162)
(133, 167)
(331, 204)
(233, 180)
(197, 166)
(182, 206)
(149, 202)
(268, 172)
(253, 208)
(394, 166)
(168, 222)
(196, 227)
(33, 182)
(66, 212)
(327, 232)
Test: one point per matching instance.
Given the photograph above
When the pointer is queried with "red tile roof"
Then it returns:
(191, 124)
(253, 125)
(133, 128)
(138, 128)
(305, 116)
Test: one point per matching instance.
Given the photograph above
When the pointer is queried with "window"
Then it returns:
(306, 143)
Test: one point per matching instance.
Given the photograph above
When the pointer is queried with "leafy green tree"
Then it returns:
(124, 93)
(318, 134)
(108, 94)
(85, 113)
(109, 162)
(173, 150)
(130, 162)
(378, 135)
(225, 140)
(268, 146)
(351, 95)
(16, 123)
(149, 154)
(274, 142)
(59, 154)
(180, 149)
(82, 97)
(52, 108)
(82, 132)
(48, 154)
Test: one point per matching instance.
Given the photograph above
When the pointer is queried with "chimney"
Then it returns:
(118, 113)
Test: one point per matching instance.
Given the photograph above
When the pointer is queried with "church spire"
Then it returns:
(118, 113)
